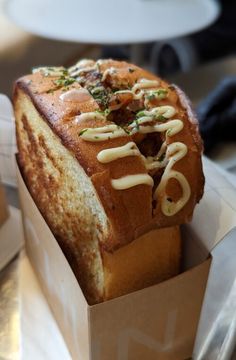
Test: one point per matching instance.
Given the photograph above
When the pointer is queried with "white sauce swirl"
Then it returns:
(75, 95)
(108, 155)
(175, 152)
(172, 127)
(82, 66)
(144, 84)
(50, 71)
(107, 72)
(93, 115)
(129, 181)
(102, 133)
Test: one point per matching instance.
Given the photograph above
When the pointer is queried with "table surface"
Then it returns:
(111, 22)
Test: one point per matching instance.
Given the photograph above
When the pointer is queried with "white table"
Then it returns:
(110, 21)
(113, 22)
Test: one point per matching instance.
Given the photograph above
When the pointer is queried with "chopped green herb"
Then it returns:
(51, 71)
(82, 132)
(160, 118)
(157, 94)
(106, 112)
(99, 94)
(162, 157)
(140, 113)
(151, 96)
(162, 93)
(96, 137)
(136, 124)
(97, 90)
(50, 91)
(64, 81)
(126, 130)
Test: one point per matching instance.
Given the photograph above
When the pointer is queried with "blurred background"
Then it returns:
(190, 43)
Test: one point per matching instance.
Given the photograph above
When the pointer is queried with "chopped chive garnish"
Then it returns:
(106, 112)
(160, 118)
(64, 81)
(140, 113)
(162, 157)
(137, 124)
(131, 70)
(82, 132)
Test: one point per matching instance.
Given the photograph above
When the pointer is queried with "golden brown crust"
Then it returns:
(129, 211)
(150, 259)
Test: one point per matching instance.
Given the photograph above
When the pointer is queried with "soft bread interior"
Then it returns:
(70, 205)
(146, 261)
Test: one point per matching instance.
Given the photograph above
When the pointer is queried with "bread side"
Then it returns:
(64, 194)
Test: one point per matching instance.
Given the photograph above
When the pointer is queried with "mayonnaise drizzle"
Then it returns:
(102, 133)
(107, 72)
(129, 181)
(108, 155)
(82, 66)
(143, 88)
(175, 152)
(144, 84)
(75, 95)
(93, 115)
(50, 71)
(165, 110)
(172, 127)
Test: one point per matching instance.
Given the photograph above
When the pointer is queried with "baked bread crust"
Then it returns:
(129, 211)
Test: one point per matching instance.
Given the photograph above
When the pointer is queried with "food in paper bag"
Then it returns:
(110, 152)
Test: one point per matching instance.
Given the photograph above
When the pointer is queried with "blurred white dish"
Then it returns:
(110, 21)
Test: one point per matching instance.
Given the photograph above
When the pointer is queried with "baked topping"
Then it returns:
(138, 111)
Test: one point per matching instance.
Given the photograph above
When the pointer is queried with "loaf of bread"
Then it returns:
(112, 157)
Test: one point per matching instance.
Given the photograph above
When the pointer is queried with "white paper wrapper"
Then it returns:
(7, 142)
(214, 219)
